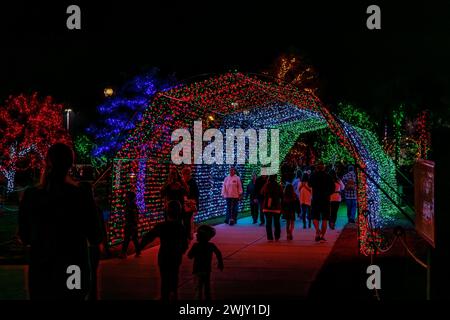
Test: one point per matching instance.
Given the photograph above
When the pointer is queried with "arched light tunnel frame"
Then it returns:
(142, 163)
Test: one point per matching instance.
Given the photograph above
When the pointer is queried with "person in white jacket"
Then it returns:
(232, 192)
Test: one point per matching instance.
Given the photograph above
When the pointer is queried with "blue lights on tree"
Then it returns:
(120, 113)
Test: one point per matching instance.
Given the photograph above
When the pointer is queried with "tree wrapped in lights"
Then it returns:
(423, 134)
(329, 148)
(355, 116)
(293, 69)
(398, 117)
(120, 113)
(84, 146)
(410, 138)
(328, 144)
(28, 127)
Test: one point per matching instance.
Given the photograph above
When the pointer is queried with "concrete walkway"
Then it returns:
(254, 267)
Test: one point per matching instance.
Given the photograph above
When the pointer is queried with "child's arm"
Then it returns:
(185, 244)
(191, 253)
(341, 184)
(150, 236)
(219, 257)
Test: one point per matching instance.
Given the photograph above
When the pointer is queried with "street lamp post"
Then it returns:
(108, 92)
(68, 111)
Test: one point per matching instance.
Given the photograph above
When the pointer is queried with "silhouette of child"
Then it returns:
(173, 244)
(202, 252)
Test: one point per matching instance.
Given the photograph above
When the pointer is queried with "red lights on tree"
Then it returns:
(29, 125)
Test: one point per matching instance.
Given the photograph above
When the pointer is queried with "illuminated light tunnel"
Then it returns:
(237, 100)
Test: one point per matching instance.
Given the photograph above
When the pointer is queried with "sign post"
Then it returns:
(424, 208)
(424, 200)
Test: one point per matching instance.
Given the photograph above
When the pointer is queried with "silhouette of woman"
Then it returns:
(58, 220)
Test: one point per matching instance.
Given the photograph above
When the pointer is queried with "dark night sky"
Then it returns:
(408, 60)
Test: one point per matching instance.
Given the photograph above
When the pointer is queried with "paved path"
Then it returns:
(254, 268)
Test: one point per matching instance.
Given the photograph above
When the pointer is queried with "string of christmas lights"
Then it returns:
(121, 112)
(29, 125)
(234, 100)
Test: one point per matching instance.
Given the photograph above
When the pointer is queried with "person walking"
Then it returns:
(173, 244)
(273, 195)
(259, 184)
(349, 180)
(289, 206)
(232, 192)
(95, 250)
(335, 199)
(174, 190)
(322, 187)
(305, 192)
(253, 196)
(296, 183)
(58, 221)
(131, 225)
(202, 252)
(191, 201)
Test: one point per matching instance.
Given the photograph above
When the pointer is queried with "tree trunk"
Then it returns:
(10, 178)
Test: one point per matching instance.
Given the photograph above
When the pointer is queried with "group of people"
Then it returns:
(60, 224)
(180, 196)
(174, 242)
(62, 228)
(314, 197)
(181, 189)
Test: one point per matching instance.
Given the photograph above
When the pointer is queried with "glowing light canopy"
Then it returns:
(237, 101)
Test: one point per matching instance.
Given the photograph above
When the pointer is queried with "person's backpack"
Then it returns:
(350, 185)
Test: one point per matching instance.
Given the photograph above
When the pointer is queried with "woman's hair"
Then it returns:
(305, 177)
(334, 176)
(289, 193)
(57, 164)
(174, 176)
(186, 171)
(271, 186)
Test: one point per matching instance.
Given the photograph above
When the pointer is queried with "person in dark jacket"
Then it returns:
(174, 190)
(259, 184)
(192, 201)
(253, 195)
(289, 207)
(322, 187)
(58, 221)
(202, 252)
(273, 195)
(173, 244)
(131, 225)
